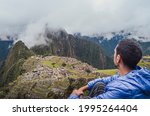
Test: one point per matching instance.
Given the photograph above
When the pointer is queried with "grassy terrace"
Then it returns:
(145, 62)
(146, 57)
(108, 71)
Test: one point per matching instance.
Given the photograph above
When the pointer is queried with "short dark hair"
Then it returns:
(130, 52)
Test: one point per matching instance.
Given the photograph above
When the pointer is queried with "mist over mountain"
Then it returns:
(63, 44)
(96, 49)
(108, 41)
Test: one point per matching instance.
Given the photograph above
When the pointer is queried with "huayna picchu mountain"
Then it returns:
(61, 43)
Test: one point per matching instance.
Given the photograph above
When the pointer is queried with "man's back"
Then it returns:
(134, 85)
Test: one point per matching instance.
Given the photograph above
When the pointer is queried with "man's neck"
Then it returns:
(123, 71)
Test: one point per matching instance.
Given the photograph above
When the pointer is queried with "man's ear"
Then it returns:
(118, 59)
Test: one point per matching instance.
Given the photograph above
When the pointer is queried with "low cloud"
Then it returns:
(28, 17)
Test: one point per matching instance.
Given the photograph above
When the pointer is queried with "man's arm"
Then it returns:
(104, 80)
(83, 88)
(76, 93)
(117, 90)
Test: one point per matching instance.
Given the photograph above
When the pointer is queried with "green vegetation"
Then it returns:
(30, 64)
(55, 62)
(49, 64)
(145, 62)
(108, 71)
(148, 57)
(74, 69)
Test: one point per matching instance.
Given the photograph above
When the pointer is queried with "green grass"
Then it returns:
(144, 64)
(108, 71)
(49, 64)
(146, 57)
(55, 62)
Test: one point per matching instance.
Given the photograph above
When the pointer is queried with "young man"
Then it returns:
(131, 82)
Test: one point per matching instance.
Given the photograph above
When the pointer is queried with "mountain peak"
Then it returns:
(18, 53)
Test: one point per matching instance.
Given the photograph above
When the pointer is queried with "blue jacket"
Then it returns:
(134, 85)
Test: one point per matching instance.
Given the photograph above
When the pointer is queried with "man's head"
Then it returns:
(128, 53)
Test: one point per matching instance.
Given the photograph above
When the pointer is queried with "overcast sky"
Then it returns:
(86, 16)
